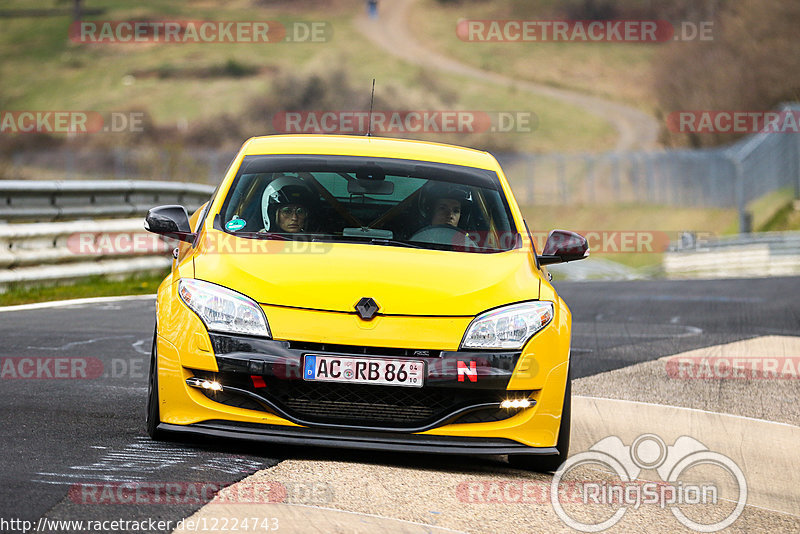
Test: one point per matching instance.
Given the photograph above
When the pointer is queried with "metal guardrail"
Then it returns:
(743, 255)
(31, 200)
(53, 249)
(26, 245)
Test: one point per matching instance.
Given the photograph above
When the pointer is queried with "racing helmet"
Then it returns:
(282, 191)
(432, 192)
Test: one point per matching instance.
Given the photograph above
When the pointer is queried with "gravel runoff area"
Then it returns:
(440, 494)
(704, 379)
(484, 495)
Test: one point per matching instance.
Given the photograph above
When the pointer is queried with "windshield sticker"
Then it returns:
(235, 224)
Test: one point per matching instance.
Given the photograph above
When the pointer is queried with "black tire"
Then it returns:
(550, 463)
(153, 412)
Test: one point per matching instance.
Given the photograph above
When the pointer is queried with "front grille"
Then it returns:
(358, 349)
(359, 404)
(363, 403)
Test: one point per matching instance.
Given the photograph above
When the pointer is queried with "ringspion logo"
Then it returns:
(610, 499)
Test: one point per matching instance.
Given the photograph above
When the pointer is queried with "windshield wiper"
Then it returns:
(262, 235)
(366, 239)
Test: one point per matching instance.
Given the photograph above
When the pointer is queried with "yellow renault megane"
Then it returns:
(365, 293)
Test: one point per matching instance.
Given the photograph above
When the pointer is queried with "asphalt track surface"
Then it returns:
(61, 433)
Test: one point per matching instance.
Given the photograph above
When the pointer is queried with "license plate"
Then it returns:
(408, 373)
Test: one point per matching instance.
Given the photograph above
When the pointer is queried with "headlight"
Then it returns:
(223, 310)
(509, 327)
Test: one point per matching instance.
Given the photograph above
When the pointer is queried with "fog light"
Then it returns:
(515, 403)
(214, 386)
(202, 383)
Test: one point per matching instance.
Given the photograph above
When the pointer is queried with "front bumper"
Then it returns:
(420, 443)
(186, 350)
(266, 375)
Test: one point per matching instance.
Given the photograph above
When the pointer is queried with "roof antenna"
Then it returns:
(369, 117)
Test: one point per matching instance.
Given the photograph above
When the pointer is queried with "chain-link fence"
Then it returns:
(678, 177)
(730, 176)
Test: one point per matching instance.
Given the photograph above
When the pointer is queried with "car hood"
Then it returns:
(335, 276)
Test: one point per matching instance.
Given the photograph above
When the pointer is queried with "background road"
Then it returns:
(62, 432)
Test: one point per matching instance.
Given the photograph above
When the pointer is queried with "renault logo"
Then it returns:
(367, 308)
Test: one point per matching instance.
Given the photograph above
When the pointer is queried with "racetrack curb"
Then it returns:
(765, 451)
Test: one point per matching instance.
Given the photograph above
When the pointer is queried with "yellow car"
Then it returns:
(365, 293)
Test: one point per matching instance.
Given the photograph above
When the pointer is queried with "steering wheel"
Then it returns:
(443, 234)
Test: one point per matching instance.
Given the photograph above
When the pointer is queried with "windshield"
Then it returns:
(377, 201)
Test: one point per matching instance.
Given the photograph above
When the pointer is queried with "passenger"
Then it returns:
(286, 205)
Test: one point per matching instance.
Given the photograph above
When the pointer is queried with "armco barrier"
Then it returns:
(60, 251)
(100, 243)
(32, 200)
(740, 256)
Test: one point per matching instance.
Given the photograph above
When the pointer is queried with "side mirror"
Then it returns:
(563, 246)
(170, 221)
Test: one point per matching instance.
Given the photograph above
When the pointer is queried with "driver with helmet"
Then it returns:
(444, 204)
(446, 209)
(286, 205)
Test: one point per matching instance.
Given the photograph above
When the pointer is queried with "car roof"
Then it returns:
(351, 145)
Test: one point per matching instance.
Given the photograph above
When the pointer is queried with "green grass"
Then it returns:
(639, 217)
(774, 212)
(95, 286)
(41, 69)
(661, 224)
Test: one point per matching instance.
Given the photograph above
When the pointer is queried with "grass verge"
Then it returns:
(96, 286)
(191, 85)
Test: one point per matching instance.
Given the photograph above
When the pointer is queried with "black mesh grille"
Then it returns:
(363, 405)
(486, 415)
